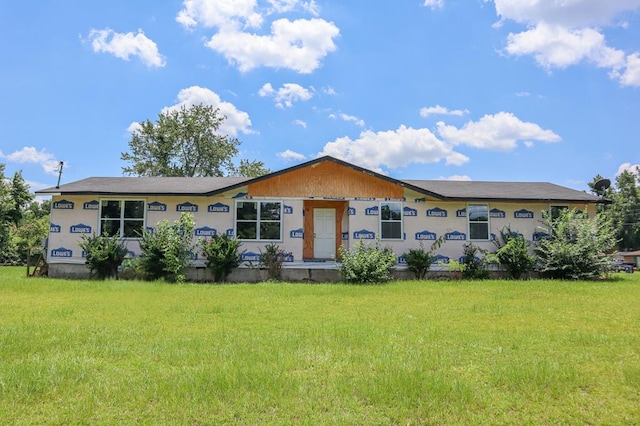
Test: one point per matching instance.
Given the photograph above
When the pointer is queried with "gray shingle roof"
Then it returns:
(146, 185)
(443, 189)
(477, 190)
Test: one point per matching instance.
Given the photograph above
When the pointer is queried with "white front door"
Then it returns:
(324, 236)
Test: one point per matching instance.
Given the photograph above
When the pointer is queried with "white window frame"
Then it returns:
(382, 221)
(258, 220)
(475, 222)
(122, 219)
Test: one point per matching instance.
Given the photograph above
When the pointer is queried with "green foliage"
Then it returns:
(222, 255)
(16, 223)
(168, 249)
(576, 247)
(475, 267)
(186, 142)
(419, 260)
(131, 269)
(624, 209)
(103, 255)
(454, 266)
(272, 259)
(28, 237)
(366, 263)
(513, 253)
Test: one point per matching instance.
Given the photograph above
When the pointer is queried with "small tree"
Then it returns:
(272, 259)
(513, 253)
(222, 255)
(168, 249)
(103, 255)
(419, 260)
(365, 263)
(575, 246)
(474, 266)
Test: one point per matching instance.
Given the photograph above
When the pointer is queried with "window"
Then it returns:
(259, 220)
(391, 221)
(122, 218)
(478, 216)
(556, 211)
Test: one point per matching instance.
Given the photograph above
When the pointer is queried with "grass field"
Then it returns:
(455, 352)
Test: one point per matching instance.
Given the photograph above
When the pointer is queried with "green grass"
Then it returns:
(456, 352)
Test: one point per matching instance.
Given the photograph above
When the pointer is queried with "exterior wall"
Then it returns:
(424, 220)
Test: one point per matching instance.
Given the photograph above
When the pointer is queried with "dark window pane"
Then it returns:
(478, 213)
(385, 212)
(270, 231)
(556, 211)
(134, 209)
(110, 228)
(391, 211)
(132, 229)
(391, 230)
(110, 209)
(247, 230)
(246, 210)
(479, 231)
(269, 211)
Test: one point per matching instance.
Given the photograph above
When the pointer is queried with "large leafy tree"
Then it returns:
(186, 142)
(20, 229)
(575, 246)
(624, 209)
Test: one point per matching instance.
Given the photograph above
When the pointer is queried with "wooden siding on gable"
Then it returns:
(325, 180)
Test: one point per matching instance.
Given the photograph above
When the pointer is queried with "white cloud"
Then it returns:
(287, 94)
(393, 148)
(297, 45)
(134, 127)
(30, 155)
(631, 74)
(434, 4)
(239, 13)
(499, 132)
(124, 46)
(348, 118)
(567, 13)
(219, 13)
(237, 121)
(558, 47)
(568, 32)
(291, 155)
(628, 167)
(464, 178)
(427, 111)
(284, 6)
(300, 123)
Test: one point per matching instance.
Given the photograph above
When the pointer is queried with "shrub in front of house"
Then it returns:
(475, 267)
(222, 255)
(167, 250)
(365, 263)
(513, 253)
(272, 259)
(419, 260)
(103, 255)
(575, 247)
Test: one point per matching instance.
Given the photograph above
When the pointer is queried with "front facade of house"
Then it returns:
(309, 210)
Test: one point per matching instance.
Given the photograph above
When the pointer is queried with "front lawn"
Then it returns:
(445, 352)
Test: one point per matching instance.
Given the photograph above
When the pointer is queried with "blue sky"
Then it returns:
(506, 90)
